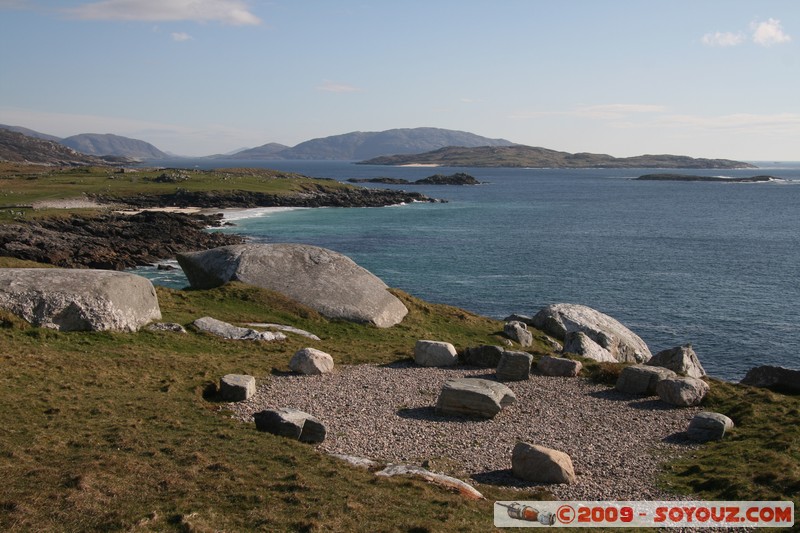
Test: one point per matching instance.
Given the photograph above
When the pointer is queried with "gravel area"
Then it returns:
(386, 413)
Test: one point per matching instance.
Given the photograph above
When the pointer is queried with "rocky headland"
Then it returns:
(690, 177)
(459, 178)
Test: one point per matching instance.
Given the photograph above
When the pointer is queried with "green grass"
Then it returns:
(21, 186)
(111, 431)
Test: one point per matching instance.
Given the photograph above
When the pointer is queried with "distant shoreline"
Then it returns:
(690, 177)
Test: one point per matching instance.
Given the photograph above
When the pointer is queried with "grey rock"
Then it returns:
(559, 319)
(310, 361)
(360, 462)
(485, 356)
(237, 387)
(79, 300)
(558, 366)
(542, 465)
(518, 331)
(706, 426)
(773, 377)
(229, 331)
(682, 360)
(292, 423)
(525, 319)
(473, 397)
(641, 379)
(683, 392)
(288, 329)
(451, 483)
(580, 343)
(166, 326)
(435, 353)
(324, 280)
(514, 366)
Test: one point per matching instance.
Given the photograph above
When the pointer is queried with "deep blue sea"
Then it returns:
(713, 264)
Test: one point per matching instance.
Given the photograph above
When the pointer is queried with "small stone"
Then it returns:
(683, 392)
(166, 326)
(292, 423)
(237, 387)
(435, 353)
(706, 426)
(514, 366)
(558, 366)
(542, 465)
(310, 361)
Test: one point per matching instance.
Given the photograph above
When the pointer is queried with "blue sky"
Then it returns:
(706, 78)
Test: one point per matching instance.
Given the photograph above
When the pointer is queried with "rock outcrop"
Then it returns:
(559, 319)
(79, 300)
(324, 280)
(450, 483)
(777, 378)
(682, 360)
(222, 329)
(474, 397)
(542, 465)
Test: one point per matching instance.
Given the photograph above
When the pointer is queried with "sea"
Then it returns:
(713, 264)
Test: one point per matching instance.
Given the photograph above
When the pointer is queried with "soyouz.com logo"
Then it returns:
(643, 514)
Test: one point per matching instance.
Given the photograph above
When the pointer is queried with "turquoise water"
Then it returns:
(713, 264)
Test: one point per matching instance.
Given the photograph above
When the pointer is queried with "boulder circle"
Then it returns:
(514, 366)
(311, 362)
(543, 465)
(681, 360)
(79, 300)
(558, 366)
(473, 397)
(327, 281)
(559, 319)
(237, 387)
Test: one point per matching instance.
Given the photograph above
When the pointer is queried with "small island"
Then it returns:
(459, 178)
(689, 177)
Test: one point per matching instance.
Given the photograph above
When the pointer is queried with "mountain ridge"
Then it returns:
(108, 144)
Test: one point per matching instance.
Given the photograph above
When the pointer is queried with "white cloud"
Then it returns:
(723, 38)
(333, 87)
(234, 12)
(769, 33)
(181, 37)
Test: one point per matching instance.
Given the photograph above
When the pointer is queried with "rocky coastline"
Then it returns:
(117, 241)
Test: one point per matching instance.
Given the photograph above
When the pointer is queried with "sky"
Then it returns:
(705, 78)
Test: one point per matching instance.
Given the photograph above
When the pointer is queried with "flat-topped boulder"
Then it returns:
(642, 379)
(435, 353)
(623, 344)
(327, 281)
(79, 300)
(292, 423)
(475, 397)
(237, 387)
(682, 391)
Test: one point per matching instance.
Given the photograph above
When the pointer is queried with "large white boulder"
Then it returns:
(623, 344)
(79, 300)
(324, 280)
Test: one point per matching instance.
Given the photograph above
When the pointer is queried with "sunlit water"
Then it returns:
(713, 264)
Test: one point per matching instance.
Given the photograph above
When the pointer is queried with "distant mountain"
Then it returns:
(266, 151)
(115, 145)
(533, 157)
(20, 148)
(30, 133)
(363, 145)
